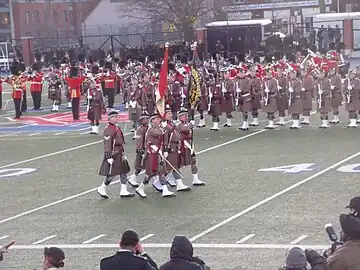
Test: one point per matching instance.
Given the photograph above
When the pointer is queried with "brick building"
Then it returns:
(50, 22)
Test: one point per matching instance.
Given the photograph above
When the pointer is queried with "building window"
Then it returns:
(27, 17)
(55, 16)
(36, 16)
(4, 20)
(28, 34)
(239, 1)
(356, 25)
(66, 15)
(47, 16)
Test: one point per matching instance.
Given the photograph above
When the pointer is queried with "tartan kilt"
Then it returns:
(119, 166)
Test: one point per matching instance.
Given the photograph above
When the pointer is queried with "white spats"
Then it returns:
(352, 123)
(325, 124)
(55, 108)
(102, 191)
(124, 193)
(133, 181)
(335, 120)
(271, 125)
(306, 120)
(255, 122)
(295, 124)
(157, 185)
(140, 191)
(228, 122)
(166, 192)
(245, 125)
(69, 105)
(281, 121)
(197, 181)
(215, 126)
(126, 105)
(170, 180)
(180, 186)
(94, 130)
(201, 123)
(192, 122)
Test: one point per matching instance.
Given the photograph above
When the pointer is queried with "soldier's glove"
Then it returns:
(110, 161)
(166, 154)
(164, 124)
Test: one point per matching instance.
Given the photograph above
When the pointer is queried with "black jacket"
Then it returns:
(127, 260)
(181, 256)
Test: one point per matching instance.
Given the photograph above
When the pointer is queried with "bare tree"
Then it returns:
(181, 14)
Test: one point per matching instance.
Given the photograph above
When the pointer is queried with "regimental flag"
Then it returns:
(163, 83)
(194, 89)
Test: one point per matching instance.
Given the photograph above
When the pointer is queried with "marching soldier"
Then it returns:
(214, 109)
(294, 100)
(243, 98)
(153, 159)
(21, 68)
(74, 82)
(35, 80)
(148, 96)
(172, 139)
(17, 85)
(336, 95)
(114, 162)
(307, 92)
(187, 151)
(54, 90)
(109, 84)
(96, 105)
(352, 97)
(176, 92)
(269, 92)
(134, 100)
(324, 97)
(282, 98)
(255, 91)
(140, 137)
(227, 100)
(203, 103)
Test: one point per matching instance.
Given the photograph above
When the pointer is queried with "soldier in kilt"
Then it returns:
(255, 91)
(243, 96)
(215, 96)
(352, 97)
(307, 92)
(324, 97)
(294, 101)
(227, 101)
(269, 92)
(336, 95)
(140, 137)
(153, 161)
(282, 98)
(187, 151)
(114, 162)
(203, 104)
(96, 106)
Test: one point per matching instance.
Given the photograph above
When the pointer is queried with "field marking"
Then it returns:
(78, 124)
(146, 237)
(33, 134)
(4, 237)
(276, 195)
(166, 245)
(83, 129)
(6, 103)
(10, 134)
(44, 240)
(112, 183)
(27, 125)
(59, 133)
(93, 239)
(299, 239)
(244, 239)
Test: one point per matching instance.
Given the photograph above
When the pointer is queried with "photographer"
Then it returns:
(131, 255)
(354, 207)
(297, 259)
(53, 258)
(346, 257)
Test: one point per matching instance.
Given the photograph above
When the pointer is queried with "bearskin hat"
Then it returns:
(14, 68)
(94, 69)
(157, 66)
(277, 55)
(36, 66)
(74, 71)
(122, 64)
(81, 57)
(101, 63)
(304, 52)
(142, 59)
(241, 57)
(232, 61)
(171, 66)
(152, 58)
(184, 59)
(108, 65)
(256, 59)
(21, 67)
(268, 58)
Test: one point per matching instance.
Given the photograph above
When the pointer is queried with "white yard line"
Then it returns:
(276, 195)
(4, 237)
(10, 134)
(83, 128)
(248, 237)
(78, 124)
(34, 134)
(44, 240)
(94, 239)
(299, 239)
(60, 133)
(168, 245)
(146, 237)
(114, 182)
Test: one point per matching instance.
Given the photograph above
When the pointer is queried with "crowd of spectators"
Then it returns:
(342, 255)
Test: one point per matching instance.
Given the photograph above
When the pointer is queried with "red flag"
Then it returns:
(161, 90)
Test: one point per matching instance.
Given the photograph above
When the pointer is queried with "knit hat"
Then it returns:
(296, 258)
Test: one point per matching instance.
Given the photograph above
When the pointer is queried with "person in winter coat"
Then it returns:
(181, 256)
(298, 259)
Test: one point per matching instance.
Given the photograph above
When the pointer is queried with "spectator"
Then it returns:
(181, 256)
(337, 35)
(297, 259)
(53, 258)
(346, 257)
(131, 255)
